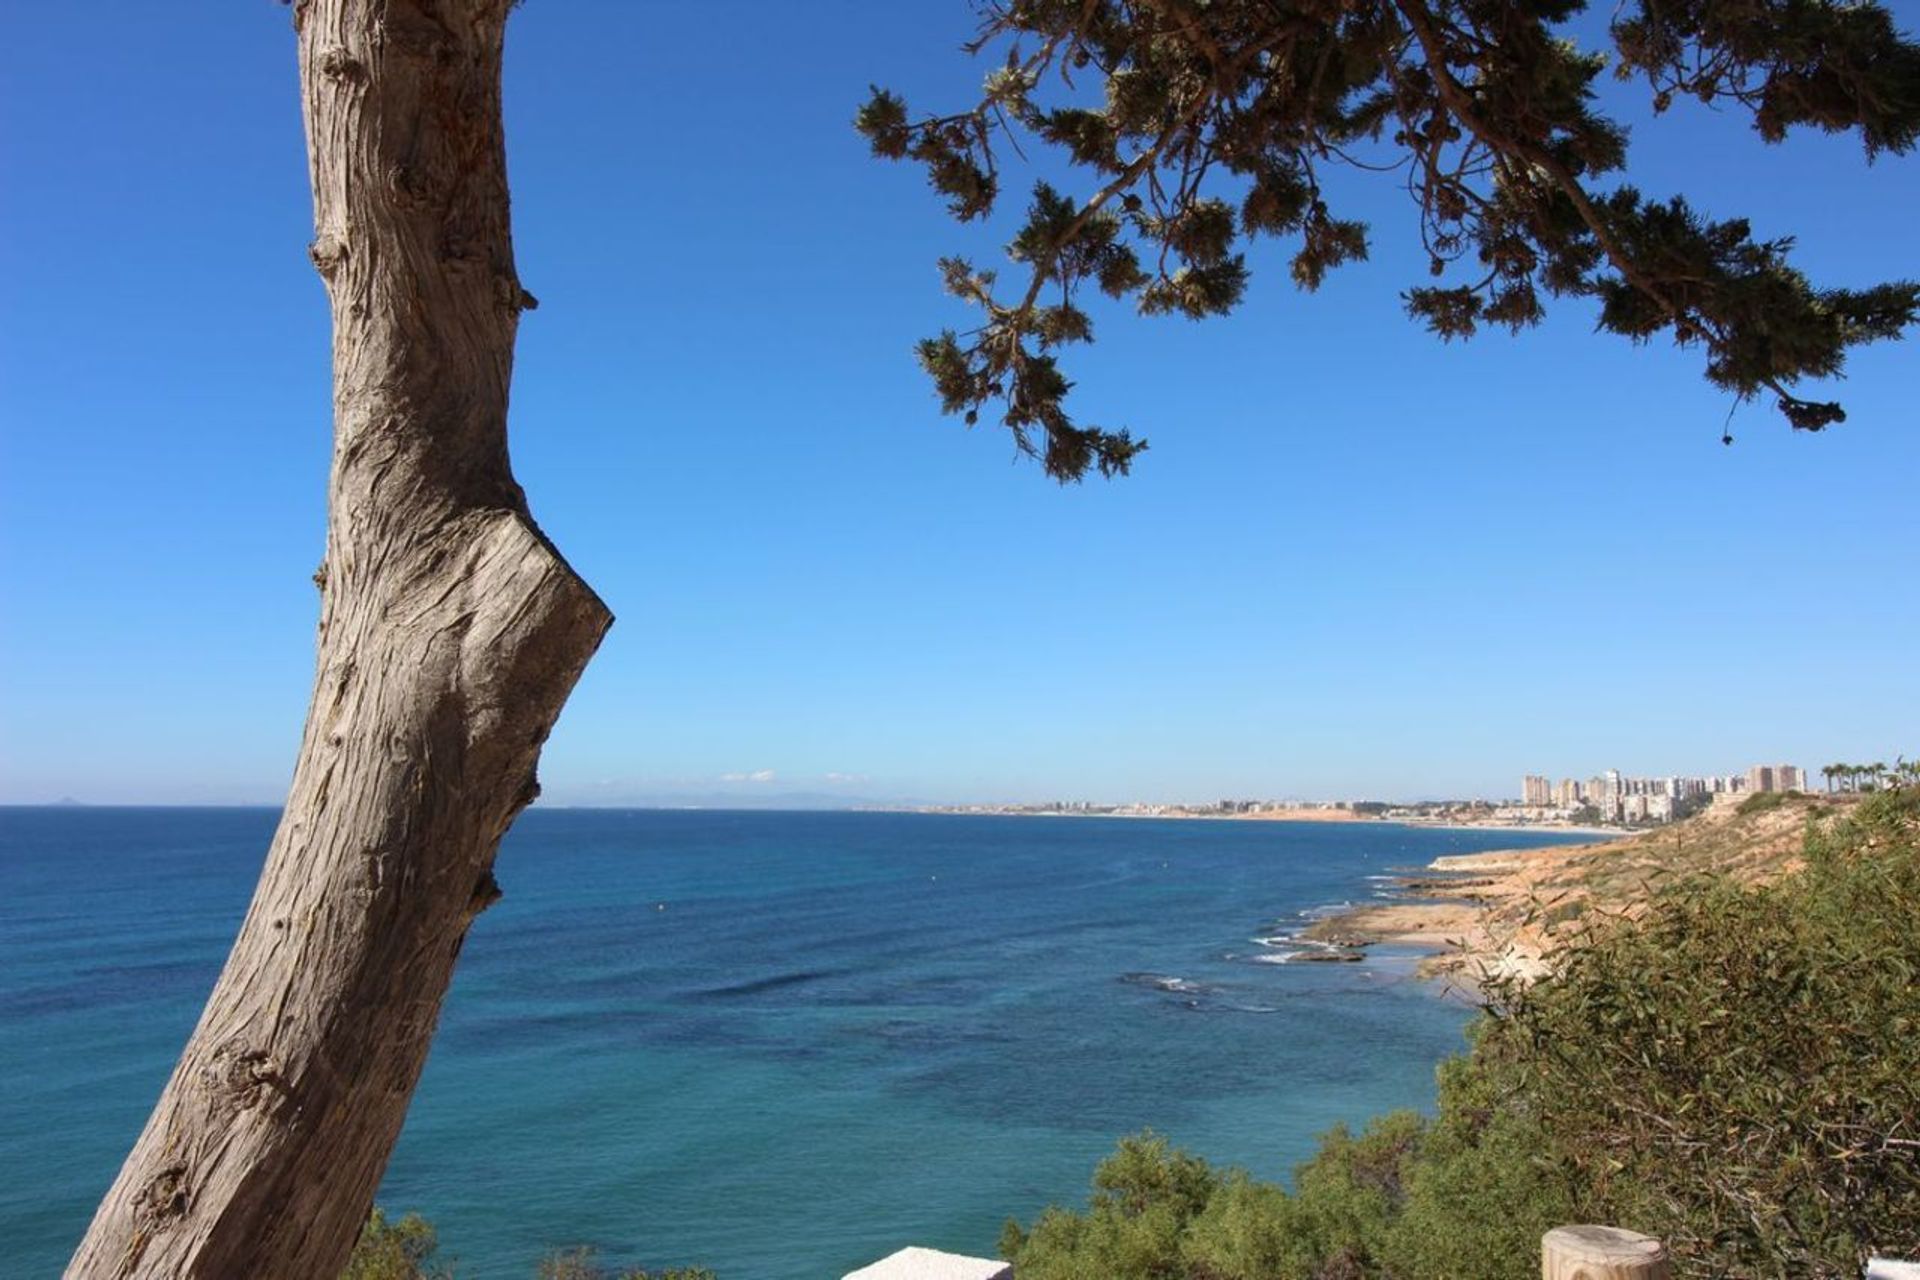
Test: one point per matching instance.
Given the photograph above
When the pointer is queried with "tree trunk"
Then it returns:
(451, 632)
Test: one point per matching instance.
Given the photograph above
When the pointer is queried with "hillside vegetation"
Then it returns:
(1495, 916)
(1732, 1065)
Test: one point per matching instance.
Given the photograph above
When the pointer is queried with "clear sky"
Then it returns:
(1355, 561)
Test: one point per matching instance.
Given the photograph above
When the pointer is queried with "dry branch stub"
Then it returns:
(1601, 1253)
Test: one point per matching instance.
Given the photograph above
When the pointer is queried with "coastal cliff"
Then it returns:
(1488, 916)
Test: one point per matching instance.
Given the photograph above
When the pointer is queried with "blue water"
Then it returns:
(781, 1044)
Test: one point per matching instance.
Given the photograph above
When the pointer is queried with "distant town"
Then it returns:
(1612, 797)
(1609, 799)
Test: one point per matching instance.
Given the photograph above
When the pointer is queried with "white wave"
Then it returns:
(1167, 982)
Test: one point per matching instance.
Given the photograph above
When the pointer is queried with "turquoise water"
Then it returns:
(781, 1044)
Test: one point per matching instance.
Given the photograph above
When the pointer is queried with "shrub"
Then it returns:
(1738, 1073)
(1145, 1198)
(1768, 801)
(584, 1264)
(395, 1250)
(403, 1250)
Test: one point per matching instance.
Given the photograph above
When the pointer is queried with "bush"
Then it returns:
(584, 1264)
(1768, 801)
(1740, 1073)
(401, 1250)
(1737, 1074)
(1145, 1197)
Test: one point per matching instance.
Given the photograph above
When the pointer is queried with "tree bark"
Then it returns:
(451, 632)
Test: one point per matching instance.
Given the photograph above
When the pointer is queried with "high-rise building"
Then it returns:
(1613, 794)
(1536, 790)
(1776, 777)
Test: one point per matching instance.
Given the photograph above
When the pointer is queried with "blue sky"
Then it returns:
(1355, 561)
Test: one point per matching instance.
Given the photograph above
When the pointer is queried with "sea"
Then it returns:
(782, 1045)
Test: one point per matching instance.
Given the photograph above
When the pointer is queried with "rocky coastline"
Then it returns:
(1483, 917)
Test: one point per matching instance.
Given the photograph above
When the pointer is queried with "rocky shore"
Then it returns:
(1486, 916)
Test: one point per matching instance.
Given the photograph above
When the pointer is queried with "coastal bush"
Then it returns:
(1737, 1073)
(1145, 1198)
(584, 1264)
(396, 1249)
(1767, 802)
(403, 1249)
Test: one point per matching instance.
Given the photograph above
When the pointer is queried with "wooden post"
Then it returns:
(1601, 1253)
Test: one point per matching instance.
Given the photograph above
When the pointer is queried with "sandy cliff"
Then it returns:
(1506, 913)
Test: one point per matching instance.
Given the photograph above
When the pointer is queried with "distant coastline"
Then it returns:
(1443, 818)
(1502, 914)
(1558, 828)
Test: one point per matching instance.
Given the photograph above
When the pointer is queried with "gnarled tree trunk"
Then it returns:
(451, 632)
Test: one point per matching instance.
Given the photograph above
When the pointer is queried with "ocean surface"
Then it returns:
(780, 1044)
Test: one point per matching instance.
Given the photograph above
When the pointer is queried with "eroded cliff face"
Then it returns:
(1499, 915)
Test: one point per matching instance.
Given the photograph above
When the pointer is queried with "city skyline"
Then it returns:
(1618, 797)
(1537, 791)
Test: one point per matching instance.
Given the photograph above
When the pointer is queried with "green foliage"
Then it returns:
(1216, 122)
(404, 1249)
(1833, 66)
(584, 1264)
(395, 1250)
(1768, 801)
(1740, 1073)
(1144, 1198)
(1737, 1074)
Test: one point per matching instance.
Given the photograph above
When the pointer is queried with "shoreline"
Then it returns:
(1305, 814)
(1502, 914)
(1524, 828)
(1455, 912)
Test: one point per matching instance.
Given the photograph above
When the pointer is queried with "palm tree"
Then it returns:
(1827, 771)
